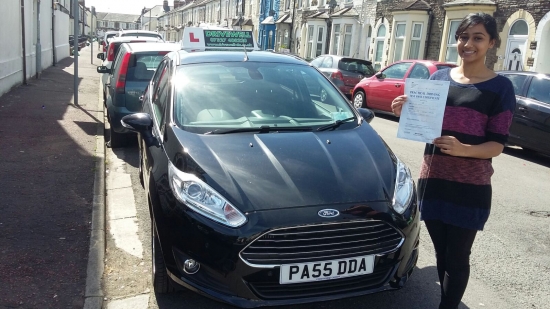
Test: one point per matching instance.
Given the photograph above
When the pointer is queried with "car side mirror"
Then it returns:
(103, 69)
(379, 75)
(366, 113)
(141, 123)
(101, 56)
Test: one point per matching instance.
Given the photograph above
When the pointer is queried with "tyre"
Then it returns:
(162, 283)
(359, 99)
(116, 139)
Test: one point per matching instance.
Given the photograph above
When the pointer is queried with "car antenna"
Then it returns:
(245, 54)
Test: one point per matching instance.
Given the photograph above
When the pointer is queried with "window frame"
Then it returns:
(451, 38)
(416, 39)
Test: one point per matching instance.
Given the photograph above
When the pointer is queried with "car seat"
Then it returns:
(141, 72)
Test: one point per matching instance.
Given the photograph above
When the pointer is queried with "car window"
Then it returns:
(154, 81)
(317, 61)
(162, 95)
(252, 94)
(539, 90)
(143, 66)
(420, 71)
(517, 80)
(397, 70)
(327, 63)
(356, 66)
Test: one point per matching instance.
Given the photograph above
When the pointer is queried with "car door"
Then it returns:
(536, 113)
(389, 84)
(519, 129)
(160, 99)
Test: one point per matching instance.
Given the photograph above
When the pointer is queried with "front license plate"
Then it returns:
(326, 270)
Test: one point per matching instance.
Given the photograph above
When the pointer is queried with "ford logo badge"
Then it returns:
(328, 213)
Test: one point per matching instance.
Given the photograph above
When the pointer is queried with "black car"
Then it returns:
(262, 194)
(530, 127)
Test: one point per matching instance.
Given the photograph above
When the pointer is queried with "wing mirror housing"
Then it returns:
(366, 113)
(379, 75)
(141, 123)
(103, 69)
(101, 56)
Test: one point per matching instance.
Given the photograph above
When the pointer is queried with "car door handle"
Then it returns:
(397, 85)
(523, 109)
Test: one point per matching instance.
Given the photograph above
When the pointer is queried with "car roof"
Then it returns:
(523, 73)
(111, 32)
(138, 31)
(138, 47)
(434, 62)
(236, 56)
(127, 39)
(344, 57)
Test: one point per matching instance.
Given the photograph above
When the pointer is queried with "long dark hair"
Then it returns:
(484, 19)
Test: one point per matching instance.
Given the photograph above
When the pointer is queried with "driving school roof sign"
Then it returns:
(199, 39)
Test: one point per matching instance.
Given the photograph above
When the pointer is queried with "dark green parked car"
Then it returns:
(132, 69)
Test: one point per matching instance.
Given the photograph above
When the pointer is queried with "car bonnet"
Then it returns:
(281, 170)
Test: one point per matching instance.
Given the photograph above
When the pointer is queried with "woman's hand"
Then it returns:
(451, 146)
(397, 104)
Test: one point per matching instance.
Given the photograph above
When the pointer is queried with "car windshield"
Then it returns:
(236, 96)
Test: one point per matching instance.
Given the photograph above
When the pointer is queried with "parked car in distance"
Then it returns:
(112, 50)
(344, 72)
(106, 38)
(530, 127)
(378, 91)
(140, 33)
(262, 194)
(131, 72)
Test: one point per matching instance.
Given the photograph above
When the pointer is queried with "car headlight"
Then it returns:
(404, 188)
(199, 196)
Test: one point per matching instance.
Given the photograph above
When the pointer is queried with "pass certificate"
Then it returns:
(422, 115)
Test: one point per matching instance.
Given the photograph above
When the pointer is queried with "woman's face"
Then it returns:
(473, 44)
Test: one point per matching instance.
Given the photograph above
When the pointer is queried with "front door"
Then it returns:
(515, 52)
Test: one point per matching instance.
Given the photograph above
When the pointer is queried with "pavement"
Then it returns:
(52, 190)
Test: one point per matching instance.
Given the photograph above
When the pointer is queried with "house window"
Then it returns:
(123, 25)
(336, 39)
(286, 43)
(399, 39)
(111, 24)
(379, 47)
(319, 49)
(131, 26)
(452, 53)
(415, 41)
(309, 41)
(519, 28)
(347, 40)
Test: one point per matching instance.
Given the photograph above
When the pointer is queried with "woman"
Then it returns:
(455, 179)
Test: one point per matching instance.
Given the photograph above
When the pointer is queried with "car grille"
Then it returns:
(276, 291)
(321, 242)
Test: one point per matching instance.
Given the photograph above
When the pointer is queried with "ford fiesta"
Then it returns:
(262, 193)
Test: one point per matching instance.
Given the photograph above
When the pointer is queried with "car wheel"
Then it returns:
(162, 283)
(323, 95)
(116, 139)
(359, 99)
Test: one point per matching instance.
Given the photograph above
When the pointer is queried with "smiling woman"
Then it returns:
(455, 179)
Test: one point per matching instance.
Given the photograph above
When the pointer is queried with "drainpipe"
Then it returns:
(38, 45)
(54, 54)
(24, 43)
(291, 27)
(429, 32)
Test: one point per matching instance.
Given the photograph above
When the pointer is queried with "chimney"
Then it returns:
(165, 6)
(176, 4)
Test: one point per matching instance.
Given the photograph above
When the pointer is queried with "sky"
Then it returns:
(123, 6)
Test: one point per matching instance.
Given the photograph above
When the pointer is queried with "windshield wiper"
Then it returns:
(262, 129)
(335, 124)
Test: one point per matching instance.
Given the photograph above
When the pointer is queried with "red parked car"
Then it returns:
(378, 91)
